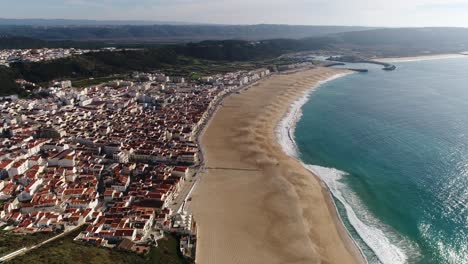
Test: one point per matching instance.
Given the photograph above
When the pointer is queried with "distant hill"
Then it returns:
(95, 64)
(367, 43)
(9, 42)
(18, 42)
(404, 41)
(172, 33)
(377, 42)
(241, 50)
(82, 22)
(180, 56)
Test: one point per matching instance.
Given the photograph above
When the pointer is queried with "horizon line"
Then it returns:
(185, 23)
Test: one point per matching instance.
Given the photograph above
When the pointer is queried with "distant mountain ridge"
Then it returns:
(404, 41)
(18, 42)
(368, 43)
(83, 22)
(278, 38)
(172, 33)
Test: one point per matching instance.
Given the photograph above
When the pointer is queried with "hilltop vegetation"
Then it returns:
(66, 250)
(171, 33)
(404, 41)
(280, 39)
(238, 50)
(174, 60)
(18, 42)
(219, 56)
(95, 64)
(7, 82)
(10, 242)
(185, 59)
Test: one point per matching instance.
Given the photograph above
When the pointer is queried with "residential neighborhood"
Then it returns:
(8, 56)
(110, 158)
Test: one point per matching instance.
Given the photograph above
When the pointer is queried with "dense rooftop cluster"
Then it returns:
(8, 56)
(112, 157)
(35, 55)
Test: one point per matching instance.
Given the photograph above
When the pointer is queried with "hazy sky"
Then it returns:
(317, 12)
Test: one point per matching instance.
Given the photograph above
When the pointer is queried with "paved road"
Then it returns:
(183, 195)
(24, 250)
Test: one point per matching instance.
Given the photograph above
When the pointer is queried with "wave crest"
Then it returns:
(371, 234)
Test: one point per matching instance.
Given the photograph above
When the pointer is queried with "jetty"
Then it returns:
(357, 70)
(387, 66)
(355, 59)
(335, 64)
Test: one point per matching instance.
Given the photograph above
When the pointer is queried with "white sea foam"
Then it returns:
(371, 231)
(285, 128)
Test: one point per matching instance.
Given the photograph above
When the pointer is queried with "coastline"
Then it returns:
(422, 57)
(398, 247)
(285, 136)
(255, 203)
(285, 130)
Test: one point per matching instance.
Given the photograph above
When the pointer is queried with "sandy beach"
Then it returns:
(254, 203)
(423, 57)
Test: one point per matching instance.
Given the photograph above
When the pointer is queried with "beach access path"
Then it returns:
(254, 203)
(25, 250)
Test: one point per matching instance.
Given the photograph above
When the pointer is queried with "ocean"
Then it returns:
(393, 149)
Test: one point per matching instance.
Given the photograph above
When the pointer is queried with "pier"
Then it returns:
(358, 70)
(387, 66)
(335, 64)
(353, 59)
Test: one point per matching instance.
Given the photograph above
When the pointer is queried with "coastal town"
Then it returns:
(116, 160)
(233, 132)
(8, 56)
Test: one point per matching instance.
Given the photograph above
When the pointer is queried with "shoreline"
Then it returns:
(287, 125)
(422, 57)
(249, 180)
(285, 137)
(294, 113)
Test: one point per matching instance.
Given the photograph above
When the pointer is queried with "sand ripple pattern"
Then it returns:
(254, 203)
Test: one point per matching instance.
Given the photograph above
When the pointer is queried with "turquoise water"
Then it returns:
(393, 149)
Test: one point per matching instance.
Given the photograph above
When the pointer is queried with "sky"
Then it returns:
(389, 13)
